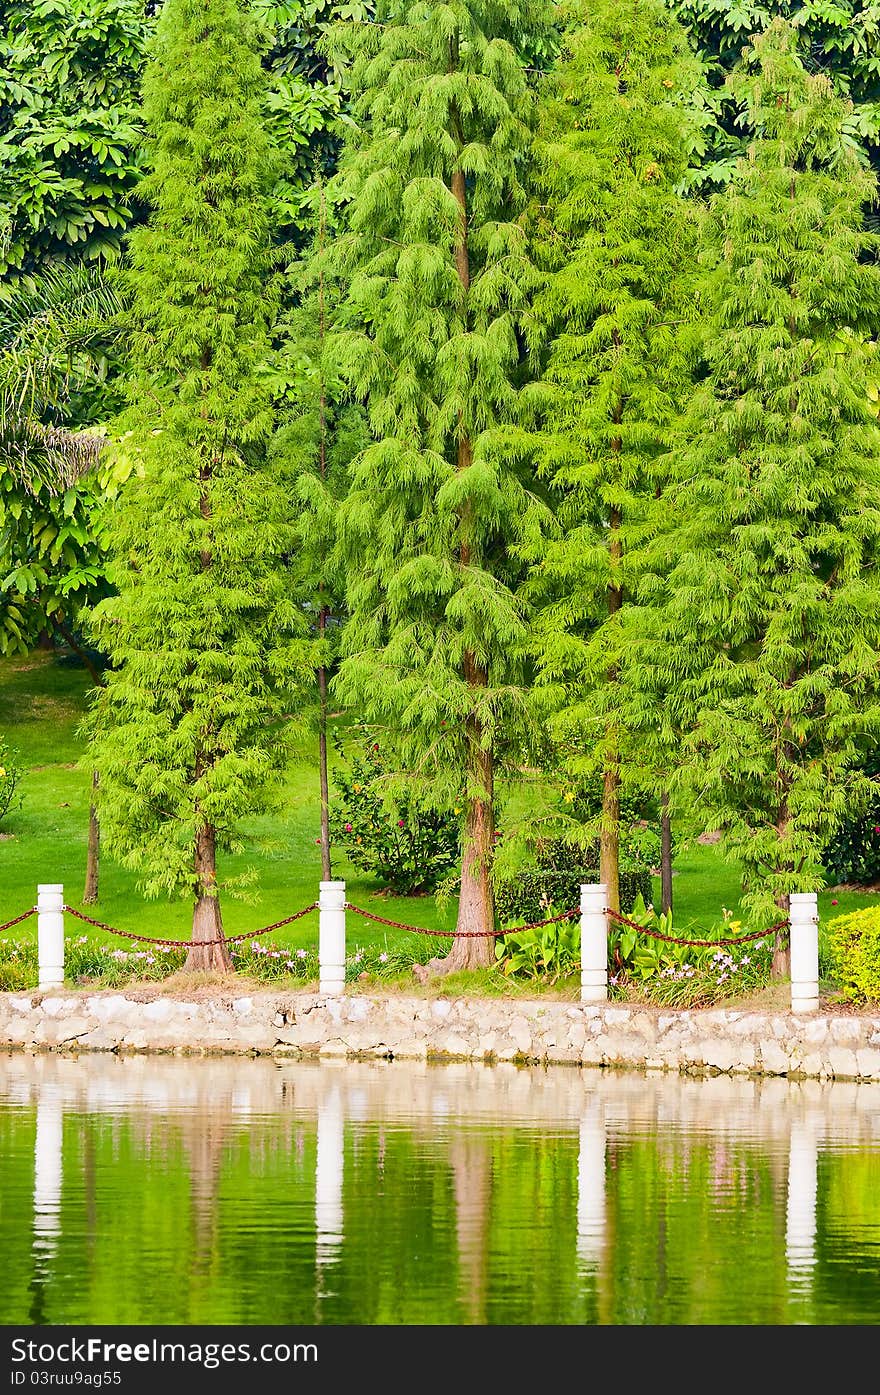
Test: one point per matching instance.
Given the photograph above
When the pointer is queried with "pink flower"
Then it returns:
(400, 823)
(348, 828)
(834, 903)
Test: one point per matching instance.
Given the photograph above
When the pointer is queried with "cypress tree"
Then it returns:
(615, 241)
(763, 629)
(439, 279)
(320, 431)
(201, 636)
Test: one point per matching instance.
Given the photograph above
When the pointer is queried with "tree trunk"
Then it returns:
(781, 965)
(90, 894)
(213, 957)
(665, 855)
(326, 873)
(474, 943)
(609, 837)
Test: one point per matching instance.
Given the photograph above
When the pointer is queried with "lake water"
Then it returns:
(157, 1190)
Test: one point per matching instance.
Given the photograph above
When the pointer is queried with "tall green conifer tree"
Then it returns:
(321, 430)
(202, 635)
(614, 241)
(763, 629)
(436, 254)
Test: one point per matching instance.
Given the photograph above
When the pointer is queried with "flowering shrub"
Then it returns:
(411, 848)
(10, 778)
(684, 974)
(268, 962)
(389, 961)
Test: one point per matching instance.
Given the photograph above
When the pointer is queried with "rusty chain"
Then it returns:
(463, 934)
(400, 925)
(24, 916)
(188, 944)
(675, 940)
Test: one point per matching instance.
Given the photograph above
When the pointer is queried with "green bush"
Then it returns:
(409, 847)
(853, 855)
(854, 946)
(538, 892)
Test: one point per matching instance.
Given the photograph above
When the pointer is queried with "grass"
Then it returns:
(42, 700)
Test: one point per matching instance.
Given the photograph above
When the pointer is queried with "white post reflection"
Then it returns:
(800, 1220)
(329, 1166)
(591, 1185)
(48, 1171)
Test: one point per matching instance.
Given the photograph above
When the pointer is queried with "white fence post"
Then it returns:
(50, 935)
(803, 917)
(331, 937)
(594, 944)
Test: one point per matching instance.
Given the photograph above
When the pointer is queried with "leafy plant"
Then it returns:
(853, 852)
(688, 974)
(546, 951)
(10, 778)
(854, 946)
(408, 846)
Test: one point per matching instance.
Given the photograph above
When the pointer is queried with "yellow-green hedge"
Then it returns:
(854, 943)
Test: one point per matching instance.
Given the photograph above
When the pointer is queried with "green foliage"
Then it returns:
(852, 854)
(684, 974)
(852, 857)
(614, 241)
(68, 126)
(409, 846)
(434, 256)
(854, 944)
(579, 820)
(547, 952)
(836, 37)
(11, 772)
(307, 104)
(56, 485)
(535, 893)
(759, 632)
(207, 647)
(19, 965)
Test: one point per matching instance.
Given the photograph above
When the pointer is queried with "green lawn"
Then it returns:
(42, 699)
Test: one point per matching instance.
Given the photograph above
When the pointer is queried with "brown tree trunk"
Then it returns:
(665, 855)
(213, 956)
(326, 873)
(781, 965)
(609, 837)
(474, 944)
(90, 894)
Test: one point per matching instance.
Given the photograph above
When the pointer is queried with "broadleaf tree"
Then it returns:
(439, 280)
(760, 621)
(205, 643)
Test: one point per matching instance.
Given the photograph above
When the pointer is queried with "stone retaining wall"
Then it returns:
(361, 1026)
